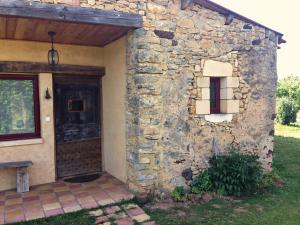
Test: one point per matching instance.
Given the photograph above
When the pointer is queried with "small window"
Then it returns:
(214, 95)
(77, 105)
(19, 107)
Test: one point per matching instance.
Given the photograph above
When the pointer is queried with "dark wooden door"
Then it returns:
(77, 125)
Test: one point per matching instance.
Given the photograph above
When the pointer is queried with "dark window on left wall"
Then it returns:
(19, 107)
(215, 95)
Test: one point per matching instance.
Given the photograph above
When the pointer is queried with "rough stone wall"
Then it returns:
(164, 134)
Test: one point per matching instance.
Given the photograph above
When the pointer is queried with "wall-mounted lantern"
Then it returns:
(47, 94)
(53, 56)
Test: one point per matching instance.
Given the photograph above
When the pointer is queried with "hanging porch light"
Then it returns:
(53, 56)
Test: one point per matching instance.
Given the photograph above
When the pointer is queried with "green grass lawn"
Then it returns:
(279, 206)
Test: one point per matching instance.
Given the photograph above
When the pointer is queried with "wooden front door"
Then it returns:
(77, 125)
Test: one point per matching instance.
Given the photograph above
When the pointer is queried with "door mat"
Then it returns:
(83, 179)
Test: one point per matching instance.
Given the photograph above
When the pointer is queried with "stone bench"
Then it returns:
(22, 173)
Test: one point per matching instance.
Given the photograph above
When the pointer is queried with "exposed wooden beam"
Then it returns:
(185, 3)
(60, 12)
(229, 18)
(31, 67)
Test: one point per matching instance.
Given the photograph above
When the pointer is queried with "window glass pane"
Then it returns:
(213, 94)
(16, 107)
(77, 105)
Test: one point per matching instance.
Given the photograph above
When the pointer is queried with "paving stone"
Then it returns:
(141, 218)
(72, 209)
(124, 221)
(149, 223)
(130, 206)
(112, 209)
(135, 212)
(101, 219)
(107, 223)
(96, 213)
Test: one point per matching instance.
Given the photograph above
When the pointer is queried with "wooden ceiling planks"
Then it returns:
(66, 33)
(21, 20)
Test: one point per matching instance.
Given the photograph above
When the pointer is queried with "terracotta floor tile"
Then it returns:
(13, 207)
(14, 212)
(33, 210)
(81, 194)
(32, 203)
(61, 189)
(72, 209)
(34, 216)
(89, 205)
(14, 219)
(14, 196)
(13, 201)
(71, 203)
(44, 192)
(50, 200)
(53, 212)
(44, 187)
(85, 199)
(51, 206)
(59, 184)
(66, 198)
(101, 196)
(10, 192)
(63, 193)
(74, 187)
(31, 198)
(107, 185)
(30, 194)
(47, 196)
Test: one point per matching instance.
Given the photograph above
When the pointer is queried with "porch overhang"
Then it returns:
(31, 21)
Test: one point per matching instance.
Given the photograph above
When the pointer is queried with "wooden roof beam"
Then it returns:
(60, 12)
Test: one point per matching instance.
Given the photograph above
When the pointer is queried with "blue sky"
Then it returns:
(281, 16)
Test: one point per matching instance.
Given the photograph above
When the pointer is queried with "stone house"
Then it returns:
(143, 90)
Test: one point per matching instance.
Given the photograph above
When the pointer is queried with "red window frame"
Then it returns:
(217, 92)
(37, 132)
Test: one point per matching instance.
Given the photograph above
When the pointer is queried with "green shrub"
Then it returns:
(289, 87)
(286, 111)
(201, 183)
(178, 194)
(235, 174)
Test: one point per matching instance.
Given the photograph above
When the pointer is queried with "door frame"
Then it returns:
(97, 77)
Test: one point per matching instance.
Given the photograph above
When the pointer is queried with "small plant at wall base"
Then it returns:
(178, 194)
(201, 183)
(286, 111)
(235, 174)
